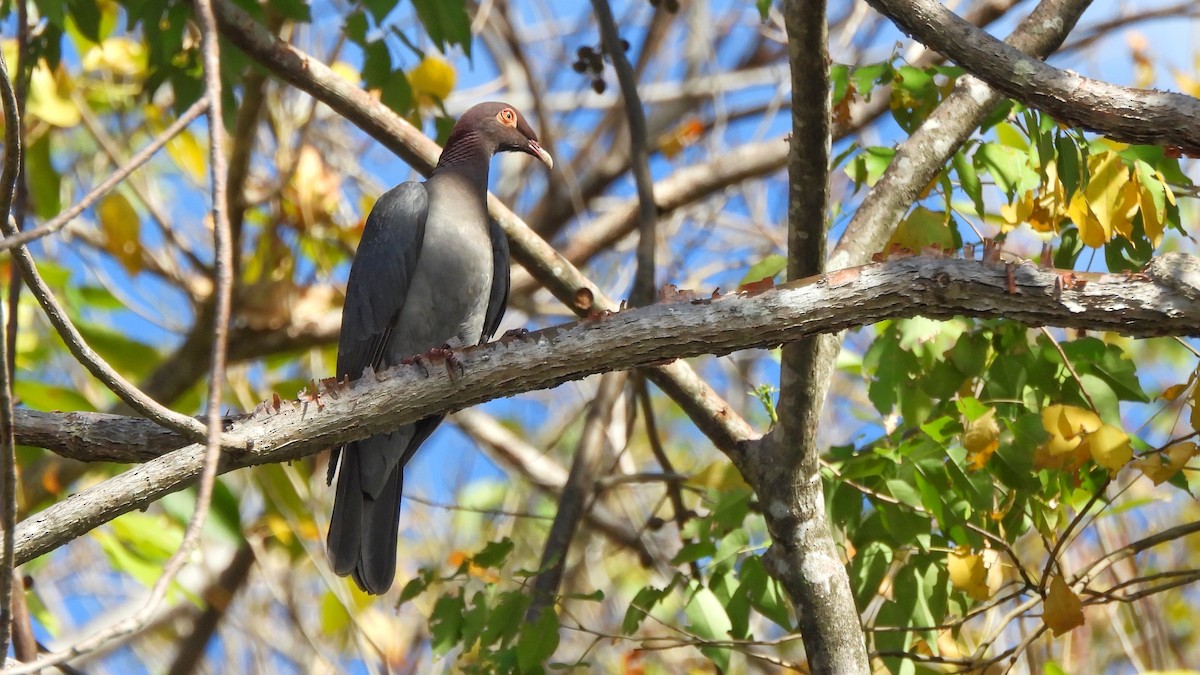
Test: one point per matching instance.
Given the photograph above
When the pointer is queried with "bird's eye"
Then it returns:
(507, 117)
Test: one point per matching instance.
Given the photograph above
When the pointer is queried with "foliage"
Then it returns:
(980, 473)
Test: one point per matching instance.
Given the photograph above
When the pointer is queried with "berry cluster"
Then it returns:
(589, 59)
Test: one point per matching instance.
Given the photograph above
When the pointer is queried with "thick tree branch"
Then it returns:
(559, 276)
(1164, 301)
(786, 473)
(1121, 113)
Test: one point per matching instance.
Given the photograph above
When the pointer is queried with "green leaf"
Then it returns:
(1070, 159)
(412, 589)
(764, 9)
(968, 181)
(377, 65)
(447, 22)
(296, 10)
(506, 618)
(537, 641)
(1008, 166)
(642, 603)
(694, 551)
(867, 570)
(768, 267)
(474, 620)
(708, 619)
(866, 78)
(494, 554)
(904, 492)
(42, 396)
(446, 623)
(45, 184)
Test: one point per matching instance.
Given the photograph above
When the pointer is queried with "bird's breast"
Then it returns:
(448, 296)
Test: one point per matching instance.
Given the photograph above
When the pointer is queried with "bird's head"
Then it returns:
(503, 129)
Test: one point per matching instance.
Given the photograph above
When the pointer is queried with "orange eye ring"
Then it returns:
(507, 117)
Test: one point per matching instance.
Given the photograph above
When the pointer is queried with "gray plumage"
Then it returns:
(431, 270)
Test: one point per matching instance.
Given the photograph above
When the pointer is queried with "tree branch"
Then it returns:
(1163, 301)
(578, 491)
(922, 155)
(644, 288)
(560, 277)
(1121, 113)
(9, 176)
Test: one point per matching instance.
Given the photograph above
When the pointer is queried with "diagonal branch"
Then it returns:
(1164, 301)
(926, 151)
(1121, 113)
(644, 287)
(699, 401)
(576, 494)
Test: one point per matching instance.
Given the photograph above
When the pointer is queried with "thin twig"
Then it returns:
(575, 496)
(136, 161)
(643, 282)
(679, 511)
(8, 461)
(224, 285)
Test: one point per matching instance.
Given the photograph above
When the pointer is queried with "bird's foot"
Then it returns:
(514, 334)
(454, 366)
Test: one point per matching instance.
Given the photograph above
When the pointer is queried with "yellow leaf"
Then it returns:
(1066, 425)
(1186, 83)
(432, 79)
(1153, 217)
(189, 154)
(50, 97)
(981, 438)
(1126, 209)
(1018, 212)
(1172, 392)
(1108, 177)
(346, 71)
(1110, 447)
(921, 229)
(1063, 611)
(968, 573)
(1156, 469)
(1195, 418)
(720, 475)
(122, 229)
(1091, 231)
(117, 55)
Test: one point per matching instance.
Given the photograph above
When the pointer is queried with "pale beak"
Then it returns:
(535, 149)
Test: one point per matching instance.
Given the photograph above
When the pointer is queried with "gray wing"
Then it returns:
(380, 277)
(498, 300)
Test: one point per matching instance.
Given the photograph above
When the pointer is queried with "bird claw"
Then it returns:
(454, 367)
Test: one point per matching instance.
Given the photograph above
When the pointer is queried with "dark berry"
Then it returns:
(599, 86)
(624, 45)
(579, 66)
(584, 52)
(671, 6)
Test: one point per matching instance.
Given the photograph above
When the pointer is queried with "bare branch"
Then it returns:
(576, 494)
(644, 286)
(9, 176)
(1166, 301)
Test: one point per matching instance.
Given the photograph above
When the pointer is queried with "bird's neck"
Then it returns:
(466, 156)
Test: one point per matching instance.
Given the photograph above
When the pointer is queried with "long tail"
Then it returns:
(364, 527)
